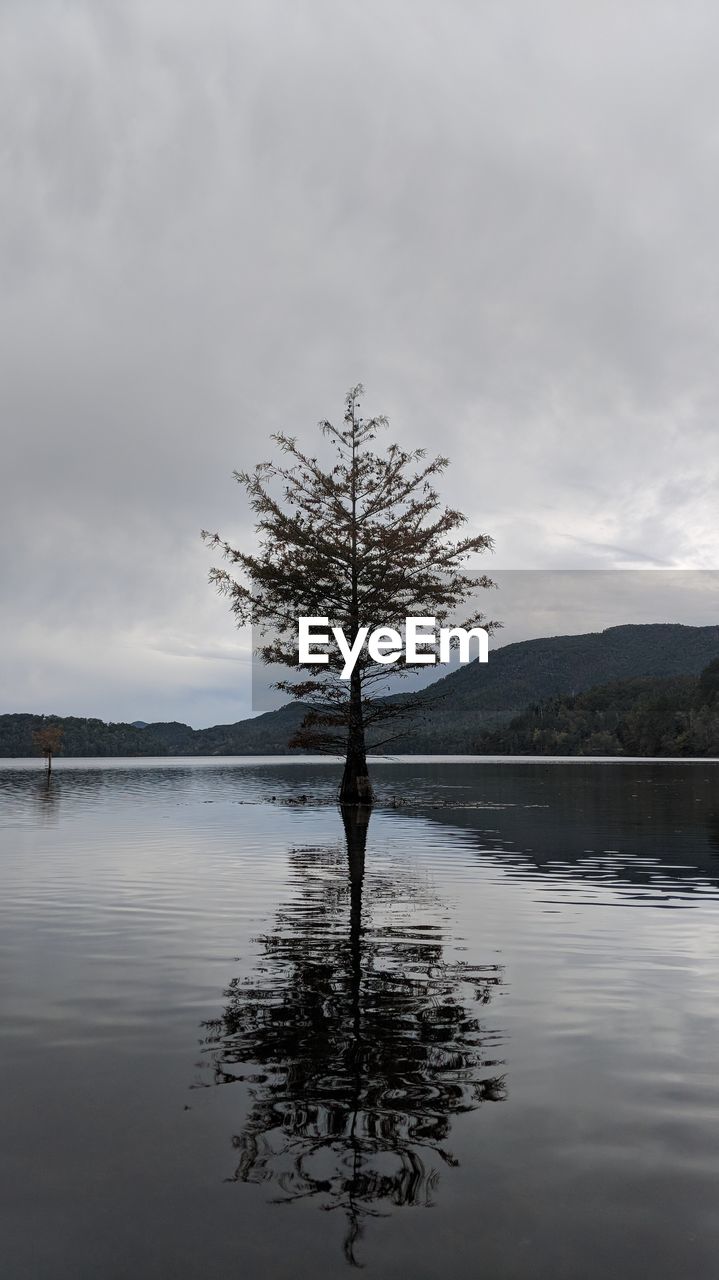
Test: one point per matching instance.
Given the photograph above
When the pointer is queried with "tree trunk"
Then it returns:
(356, 787)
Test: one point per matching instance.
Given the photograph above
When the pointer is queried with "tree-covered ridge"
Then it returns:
(93, 737)
(644, 717)
(459, 707)
(267, 734)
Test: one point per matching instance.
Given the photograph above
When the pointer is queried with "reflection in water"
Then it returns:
(363, 1040)
(117, 919)
(47, 797)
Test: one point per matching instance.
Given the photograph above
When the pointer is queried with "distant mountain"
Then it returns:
(454, 715)
(474, 697)
(138, 724)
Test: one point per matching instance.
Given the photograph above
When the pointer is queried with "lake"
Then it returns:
(477, 1037)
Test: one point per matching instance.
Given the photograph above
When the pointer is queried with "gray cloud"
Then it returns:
(216, 217)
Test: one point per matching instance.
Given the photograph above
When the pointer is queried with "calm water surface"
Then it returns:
(477, 1038)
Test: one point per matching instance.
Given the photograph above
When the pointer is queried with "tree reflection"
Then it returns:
(359, 1039)
(47, 799)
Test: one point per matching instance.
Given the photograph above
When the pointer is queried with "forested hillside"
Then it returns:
(263, 735)
(645, 717)
(456, 708)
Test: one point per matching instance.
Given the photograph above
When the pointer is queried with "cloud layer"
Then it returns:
(216, 217)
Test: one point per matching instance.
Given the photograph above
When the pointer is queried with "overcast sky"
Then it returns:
(216, 216)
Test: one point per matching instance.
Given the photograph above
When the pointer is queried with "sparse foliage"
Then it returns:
(46, 741)
(364, 541)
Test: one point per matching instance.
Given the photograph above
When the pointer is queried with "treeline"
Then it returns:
(643, 717)
(264, 735)
(89, 737)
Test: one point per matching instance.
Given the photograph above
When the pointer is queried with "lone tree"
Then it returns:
(46, 740)
(365, 541)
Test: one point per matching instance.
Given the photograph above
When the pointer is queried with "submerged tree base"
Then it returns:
(355, 788)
